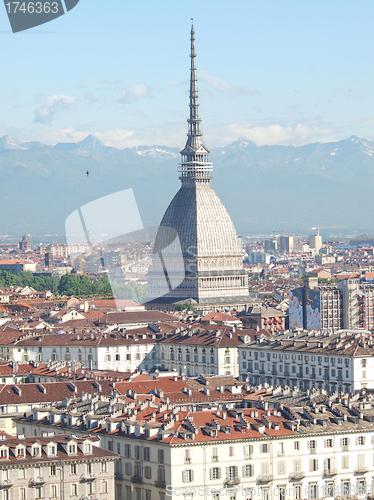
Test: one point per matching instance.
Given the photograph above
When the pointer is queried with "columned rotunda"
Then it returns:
(214, 277)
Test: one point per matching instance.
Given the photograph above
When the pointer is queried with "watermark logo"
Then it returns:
(27, 14)
(109, 234)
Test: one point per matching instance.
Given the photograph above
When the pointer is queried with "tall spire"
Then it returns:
(195, 164)
(194, 120)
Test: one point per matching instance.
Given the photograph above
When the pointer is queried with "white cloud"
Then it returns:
(134, 92)
(222, 85)
(52, 104)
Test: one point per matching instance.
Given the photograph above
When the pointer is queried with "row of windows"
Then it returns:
(138, 452)
(286, 369)
(298, 357)
(53, 490)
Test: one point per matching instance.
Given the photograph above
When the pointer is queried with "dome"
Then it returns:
(204, 227)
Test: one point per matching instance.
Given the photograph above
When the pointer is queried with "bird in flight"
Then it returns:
(87, 173)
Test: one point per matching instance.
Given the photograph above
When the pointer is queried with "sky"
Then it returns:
(274, 72)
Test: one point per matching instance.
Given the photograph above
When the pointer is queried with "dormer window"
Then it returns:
(4, 453)
(20, 452)
(36, 451)
(72, 449)
(87, 448)
(52, 450)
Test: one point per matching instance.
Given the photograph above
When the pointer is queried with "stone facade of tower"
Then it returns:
(211, 256)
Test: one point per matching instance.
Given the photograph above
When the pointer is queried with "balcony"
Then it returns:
(187, 460)
(86, 478)
(215, 458)
(136, 479)
(280, 453)
(160, 484)
(330, 472)
(296, 476)
(361, 469)
(264, 478)
(6, 483)
(312, 451)
(37, 481)
(232, 481)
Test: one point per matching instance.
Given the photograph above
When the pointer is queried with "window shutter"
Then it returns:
(188, 453)
(211, 474)
(184, 476)
(244, 473)
(308, 444)
(250, 449)
(311, 464)
(341, 441)
(236, 470)
(192, 475)
(219, 472)
(348, 439)
(227, 471)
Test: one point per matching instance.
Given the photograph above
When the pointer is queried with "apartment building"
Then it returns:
(343, 361)
(321, 449)
(325, 306)
(55, 466)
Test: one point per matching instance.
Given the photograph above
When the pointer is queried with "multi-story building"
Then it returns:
(343, 361)
(55, 467)
(320, 306)
(286, 452)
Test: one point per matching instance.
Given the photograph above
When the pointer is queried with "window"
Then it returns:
(148, 472)
(137, 452)
(4, 453)
(104, 487)
(281, 467)
(313, 488)
(89, 488)
(247, 470)
(313, 465)
(361, 487)
(264, 448)
(328, 443)
(128, 468)
(87, 448)
(360, 441)
(187, 476)
(51, 450)
(103, 467)
(297, 466)
(127, 450)
(248, 450)
(215, 473)
(312, 444)
(148, 495)
(22, 473)
(72, 449)
(297, 492)
(53, 470)
(89, 468)
(232, 472)
(38, 492)
(345, 461)
(296, 445)
(53, 491)
(22, 494)
(346, 488)
(160, 455)
(329, 490)
(74, 490)
(231, 451)
(73, 468)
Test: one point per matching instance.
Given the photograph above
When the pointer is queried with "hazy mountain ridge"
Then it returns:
(264, 188)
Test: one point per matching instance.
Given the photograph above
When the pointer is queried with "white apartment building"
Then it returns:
(288, 452)
(55, 467)
(340, 362)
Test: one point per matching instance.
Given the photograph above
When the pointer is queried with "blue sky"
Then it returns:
(275, 72)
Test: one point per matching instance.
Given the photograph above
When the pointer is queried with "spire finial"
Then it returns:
(195, 156)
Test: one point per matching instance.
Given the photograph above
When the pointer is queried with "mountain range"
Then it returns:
(265, 188)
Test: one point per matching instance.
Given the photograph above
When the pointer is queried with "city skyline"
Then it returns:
(274, 74)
